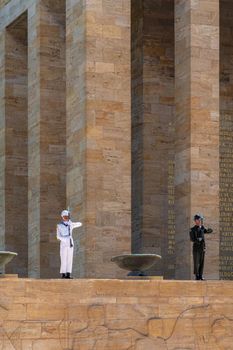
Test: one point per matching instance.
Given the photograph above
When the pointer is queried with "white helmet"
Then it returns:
(65, 213)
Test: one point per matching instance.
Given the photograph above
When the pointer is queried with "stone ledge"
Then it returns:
(4, 275)
(115, 314)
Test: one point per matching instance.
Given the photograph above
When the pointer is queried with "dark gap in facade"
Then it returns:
(153, 109)
(16, 143)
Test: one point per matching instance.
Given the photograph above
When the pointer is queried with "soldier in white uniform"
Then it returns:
(64, 234)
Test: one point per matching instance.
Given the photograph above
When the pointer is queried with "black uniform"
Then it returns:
(197, 236)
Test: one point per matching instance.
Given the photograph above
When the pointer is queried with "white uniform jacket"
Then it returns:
(64, 232)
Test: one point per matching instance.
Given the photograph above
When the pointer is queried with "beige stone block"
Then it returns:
(52, 344)
(12, 288)
(166, 310)
(76, 328)
(27, 344)
(16, 312)
(202, 326)
(31, 330)
(177, 287)
(8, 344)
(127, 288)
(129, 300)
(45, 312)
(170, 328)
(103, 67)
(225, 310)
(146, 343)
(125, 311)
(78, 312)
(94, 5)
(118, 343)
(111, 31)
(137, 325)
(214, 289)
(94, 29)
(98, 300)
(186, 300)
(155, 328)
(91, 17)
(96, 315)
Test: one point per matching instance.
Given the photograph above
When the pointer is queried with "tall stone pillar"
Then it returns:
(16, 149)
(2, 140)
(76, 124)
(99, 132)
(197, 128)
(47, 133)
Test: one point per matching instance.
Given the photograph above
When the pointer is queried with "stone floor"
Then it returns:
(115, 314)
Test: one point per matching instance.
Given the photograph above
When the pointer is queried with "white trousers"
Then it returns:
(66, 254)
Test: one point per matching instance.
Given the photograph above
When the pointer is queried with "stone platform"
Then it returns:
(115, 314)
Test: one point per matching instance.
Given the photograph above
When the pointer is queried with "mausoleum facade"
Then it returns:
(122, 111)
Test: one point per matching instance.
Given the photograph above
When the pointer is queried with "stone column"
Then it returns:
(99, 132)
(76, 124)
(33, 142)
(47, 134)
(197, 128)
(16, 150)
(52, 130)
(2, 140)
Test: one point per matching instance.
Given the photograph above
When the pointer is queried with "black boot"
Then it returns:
(197, 277)
(63, 275)
(202, 278)
(68, 275)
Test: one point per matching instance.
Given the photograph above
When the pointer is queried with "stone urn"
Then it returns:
(5, 258)
(137, 264)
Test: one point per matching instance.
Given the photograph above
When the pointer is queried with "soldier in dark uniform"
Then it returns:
(197, 236)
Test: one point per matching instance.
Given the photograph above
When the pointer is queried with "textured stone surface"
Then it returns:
(2, 140)
(52, 130)
(33, 142)
(75, 121)
(47, 134)
(115, 314)
(108, 135)
(99, 131)
(197, 127)
(79, 131)
(16, 151)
